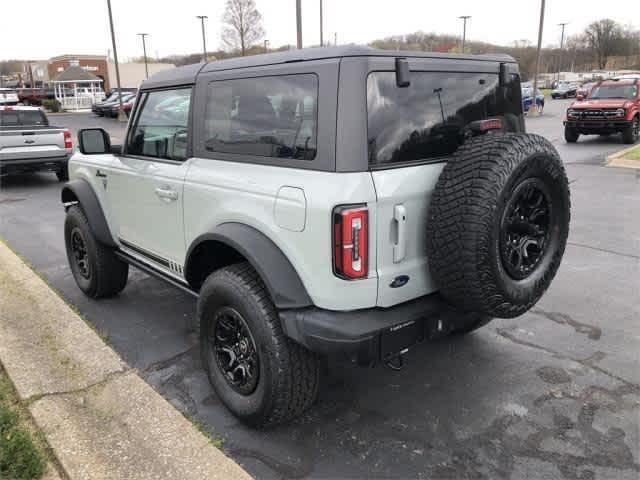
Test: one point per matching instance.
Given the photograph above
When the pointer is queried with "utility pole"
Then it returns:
(321, 40)
(144, 51)
(533, 110)
(121, 115)
(204, 42)
(266, 46)
(335, 39)
(299, 22)
(561, 47)
(464, 19)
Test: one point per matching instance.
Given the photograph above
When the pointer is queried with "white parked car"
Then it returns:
(8, 96)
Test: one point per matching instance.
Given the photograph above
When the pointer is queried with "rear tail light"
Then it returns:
(351, 241)
(481, 126)
(67, 139)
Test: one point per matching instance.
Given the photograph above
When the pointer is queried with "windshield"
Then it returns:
(615, 91)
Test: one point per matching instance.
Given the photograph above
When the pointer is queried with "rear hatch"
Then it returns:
(412, 132)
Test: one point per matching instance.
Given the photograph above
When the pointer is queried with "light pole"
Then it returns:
(464, 19)
(321, 40)
(533, 110)
(266, 46)
(121, 115)
(204, 42)
(299, 22)
(561, 47)
(144, 51)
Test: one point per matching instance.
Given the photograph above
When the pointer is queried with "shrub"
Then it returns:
(52, 105)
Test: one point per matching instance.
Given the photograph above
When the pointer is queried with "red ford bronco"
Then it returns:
(613, 106)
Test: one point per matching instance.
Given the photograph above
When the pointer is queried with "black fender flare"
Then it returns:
(273, 267)
(81, 191)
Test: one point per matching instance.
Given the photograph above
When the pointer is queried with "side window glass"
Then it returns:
(267, 116)
(161, 129)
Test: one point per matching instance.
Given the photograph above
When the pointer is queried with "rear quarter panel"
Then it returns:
(217, 192)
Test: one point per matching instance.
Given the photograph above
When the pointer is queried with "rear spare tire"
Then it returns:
(498, 224)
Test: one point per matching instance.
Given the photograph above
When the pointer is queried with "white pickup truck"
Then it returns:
(29, 144)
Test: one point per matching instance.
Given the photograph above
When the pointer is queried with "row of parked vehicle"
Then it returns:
(110, 107)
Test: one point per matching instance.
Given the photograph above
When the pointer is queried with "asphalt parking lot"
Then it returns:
(552, 394)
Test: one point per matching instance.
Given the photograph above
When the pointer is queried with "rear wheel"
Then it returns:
(632, 132)
(571, 135)
(95, 267)
(262, 376)
(498, 224)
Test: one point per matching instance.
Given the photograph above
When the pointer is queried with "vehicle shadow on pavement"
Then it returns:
(27, 180)
(455, 411)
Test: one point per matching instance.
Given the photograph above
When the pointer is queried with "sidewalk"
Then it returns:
(100, 418)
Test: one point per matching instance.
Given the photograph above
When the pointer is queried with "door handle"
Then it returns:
(166, 193)
(400, 247)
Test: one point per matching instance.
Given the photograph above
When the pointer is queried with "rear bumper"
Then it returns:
(25, 165)
(587, 127)
(376, 334)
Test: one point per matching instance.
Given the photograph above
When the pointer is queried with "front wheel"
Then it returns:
(263, 377)
(632, 132)
(95, 268)
(571, 135)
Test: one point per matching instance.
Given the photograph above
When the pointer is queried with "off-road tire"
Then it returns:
(464, 227)
(107, 273)
(571, 135)
(289, 374)
(632, 132)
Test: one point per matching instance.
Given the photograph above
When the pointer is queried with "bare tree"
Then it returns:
(242, 25)
(603, 38)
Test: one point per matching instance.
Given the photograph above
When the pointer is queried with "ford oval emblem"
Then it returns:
(400, 281)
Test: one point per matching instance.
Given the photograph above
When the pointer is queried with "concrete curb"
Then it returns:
(616, 160)
(100, 418)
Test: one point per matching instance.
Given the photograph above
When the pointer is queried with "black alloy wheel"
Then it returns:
(525, 228)
(234, 350)
(80, 254)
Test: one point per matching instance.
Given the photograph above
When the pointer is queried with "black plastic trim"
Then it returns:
(360, 334)
(82, 190)
(154, 272)
(275, 269)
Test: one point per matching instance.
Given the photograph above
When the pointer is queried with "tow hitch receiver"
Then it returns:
(396, 341)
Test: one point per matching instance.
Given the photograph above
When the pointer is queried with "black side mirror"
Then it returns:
(94, 141)
(403, 75)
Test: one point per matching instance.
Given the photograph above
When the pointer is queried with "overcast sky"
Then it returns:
(39, 29)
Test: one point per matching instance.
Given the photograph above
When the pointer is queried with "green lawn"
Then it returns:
(22, 447)
(633, 154)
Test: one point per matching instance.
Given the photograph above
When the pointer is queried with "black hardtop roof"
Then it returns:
(187, 74)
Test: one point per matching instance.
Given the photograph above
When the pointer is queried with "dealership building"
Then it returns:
(131, 74)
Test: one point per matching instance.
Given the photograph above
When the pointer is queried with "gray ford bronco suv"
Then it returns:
(340, 201)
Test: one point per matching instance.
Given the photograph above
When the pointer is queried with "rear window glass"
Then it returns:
(10, 118)
(430, 118)
(266, 116)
